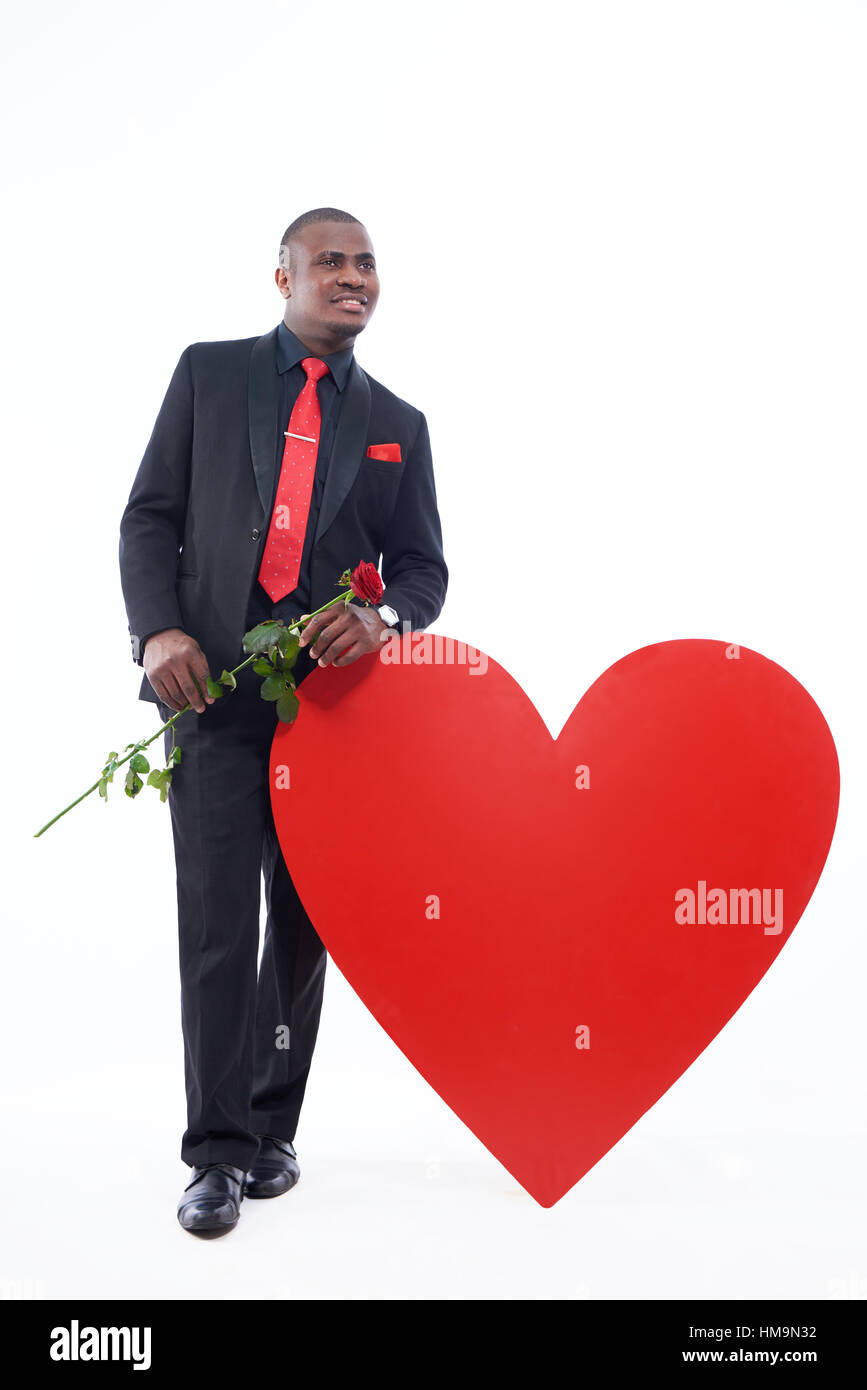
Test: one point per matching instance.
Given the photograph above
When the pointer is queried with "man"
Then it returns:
(274, 465)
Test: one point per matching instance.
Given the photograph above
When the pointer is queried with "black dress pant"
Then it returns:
(242, 1080)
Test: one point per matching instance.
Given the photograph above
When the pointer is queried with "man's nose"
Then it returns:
(351, 276)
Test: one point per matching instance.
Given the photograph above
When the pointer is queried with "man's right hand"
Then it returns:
(173, 662)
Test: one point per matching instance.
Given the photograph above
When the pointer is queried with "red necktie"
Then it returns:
(281, 560)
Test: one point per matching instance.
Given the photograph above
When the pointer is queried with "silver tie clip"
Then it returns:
(309, 438)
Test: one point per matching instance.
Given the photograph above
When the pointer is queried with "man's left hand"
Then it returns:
(342, 634)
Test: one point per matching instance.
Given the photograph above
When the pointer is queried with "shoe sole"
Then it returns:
(219, 1228)
(208, 1232)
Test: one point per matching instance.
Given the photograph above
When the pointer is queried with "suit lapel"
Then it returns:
(348, 447)
(262, 414)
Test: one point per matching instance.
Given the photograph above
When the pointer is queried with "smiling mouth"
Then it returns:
(355, 304)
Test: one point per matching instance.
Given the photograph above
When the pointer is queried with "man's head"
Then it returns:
(327, 275)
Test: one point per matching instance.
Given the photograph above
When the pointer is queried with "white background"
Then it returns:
(652, 218)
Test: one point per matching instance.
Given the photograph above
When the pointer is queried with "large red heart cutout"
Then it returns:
(520, 927)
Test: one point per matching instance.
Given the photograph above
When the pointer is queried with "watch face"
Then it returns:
(388, 615)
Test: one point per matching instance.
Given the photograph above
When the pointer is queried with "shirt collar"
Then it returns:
(290, 351)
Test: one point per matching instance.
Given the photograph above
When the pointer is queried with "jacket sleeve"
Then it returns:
(413, 568)
(152, 525)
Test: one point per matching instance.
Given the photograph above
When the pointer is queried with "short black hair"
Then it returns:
(307, 219)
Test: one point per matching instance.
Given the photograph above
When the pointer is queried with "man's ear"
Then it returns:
(282, 279)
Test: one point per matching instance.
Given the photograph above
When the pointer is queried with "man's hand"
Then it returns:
(342, 634)
(173, 662)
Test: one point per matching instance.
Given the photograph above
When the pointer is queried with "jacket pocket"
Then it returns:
(386, 466)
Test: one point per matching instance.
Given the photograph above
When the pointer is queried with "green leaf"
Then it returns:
(133, 784)
(213, 689)
(272, 688)
(176, 755)
(259, 638)
(287, 707)
(227, 679)
(288, 644)
(139, 763)
(103, 788)
(263, 667)
(161, 779)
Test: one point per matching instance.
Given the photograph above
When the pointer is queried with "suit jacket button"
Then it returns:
(255, 534)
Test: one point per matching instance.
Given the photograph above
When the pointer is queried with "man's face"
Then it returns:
(331, 287)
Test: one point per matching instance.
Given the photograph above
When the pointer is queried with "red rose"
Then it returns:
(365, 583)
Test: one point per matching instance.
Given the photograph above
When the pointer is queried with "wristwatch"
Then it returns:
(388, 615)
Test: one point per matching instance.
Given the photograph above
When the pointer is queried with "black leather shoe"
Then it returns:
(274, 1171)
(211, 1201)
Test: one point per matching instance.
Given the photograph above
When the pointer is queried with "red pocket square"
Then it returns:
(389, 452)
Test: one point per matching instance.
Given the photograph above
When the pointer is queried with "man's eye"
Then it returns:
(329, 260)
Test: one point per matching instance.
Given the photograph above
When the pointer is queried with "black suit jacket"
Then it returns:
(190, 530)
